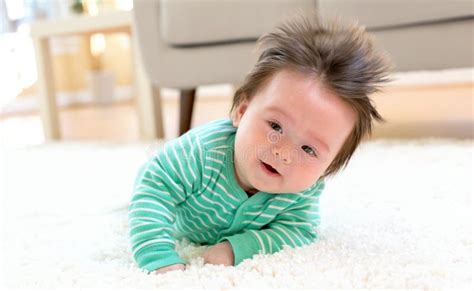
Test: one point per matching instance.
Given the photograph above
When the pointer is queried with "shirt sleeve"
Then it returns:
(165, 181)
(294, 227)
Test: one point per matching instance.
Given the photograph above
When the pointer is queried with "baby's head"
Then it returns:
(304, 108)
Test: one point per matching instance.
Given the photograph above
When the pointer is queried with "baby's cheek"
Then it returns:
(305, 176)
(249, 147)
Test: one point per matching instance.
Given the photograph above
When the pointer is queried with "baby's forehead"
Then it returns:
(289, 87)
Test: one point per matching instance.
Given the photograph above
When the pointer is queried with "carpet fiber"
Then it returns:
(399, 216)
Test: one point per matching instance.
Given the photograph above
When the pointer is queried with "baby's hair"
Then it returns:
(342, 56)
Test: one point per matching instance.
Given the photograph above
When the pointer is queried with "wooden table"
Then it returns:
(147, 97)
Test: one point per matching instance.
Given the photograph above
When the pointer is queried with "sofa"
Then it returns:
(188, 43)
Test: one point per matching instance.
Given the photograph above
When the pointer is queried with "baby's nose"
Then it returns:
(282, 154)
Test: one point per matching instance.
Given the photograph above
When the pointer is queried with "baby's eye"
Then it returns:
(309, 150)
(276, 126)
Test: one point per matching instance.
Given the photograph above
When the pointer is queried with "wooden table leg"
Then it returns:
(46, 92)
(186, 109)
(147, 98)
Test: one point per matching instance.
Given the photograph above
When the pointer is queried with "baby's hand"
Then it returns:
(170, 268)
(220, 254)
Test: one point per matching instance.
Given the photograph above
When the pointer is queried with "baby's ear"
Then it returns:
(239, 112)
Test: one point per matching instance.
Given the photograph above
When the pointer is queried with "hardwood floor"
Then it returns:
(426, 111)
(410, 111)
(113, 122)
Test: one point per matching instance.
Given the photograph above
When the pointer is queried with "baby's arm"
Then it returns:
(166, 181)
(293, 227)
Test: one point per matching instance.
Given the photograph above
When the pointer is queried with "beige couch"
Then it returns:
(186, 43)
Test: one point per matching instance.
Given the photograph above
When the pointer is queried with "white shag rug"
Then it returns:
(399, 216)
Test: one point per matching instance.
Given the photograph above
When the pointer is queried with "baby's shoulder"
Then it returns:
(217, 134)
(315, 190)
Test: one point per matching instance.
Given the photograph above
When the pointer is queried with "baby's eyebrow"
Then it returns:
(320, 143)
(278, 110)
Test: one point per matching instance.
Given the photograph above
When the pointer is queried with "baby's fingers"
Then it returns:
(170, 268)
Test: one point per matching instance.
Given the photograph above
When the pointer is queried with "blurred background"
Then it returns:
(88, 87)
(94, 75)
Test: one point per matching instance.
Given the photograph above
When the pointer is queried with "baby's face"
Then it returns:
(288, 134)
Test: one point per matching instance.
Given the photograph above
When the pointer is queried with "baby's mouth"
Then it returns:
(270, 168)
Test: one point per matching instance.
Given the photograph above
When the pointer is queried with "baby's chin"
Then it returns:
(276, 190)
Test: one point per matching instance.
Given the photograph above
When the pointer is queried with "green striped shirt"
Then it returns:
(188, 189)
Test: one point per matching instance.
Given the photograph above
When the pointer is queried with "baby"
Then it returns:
(251, 183)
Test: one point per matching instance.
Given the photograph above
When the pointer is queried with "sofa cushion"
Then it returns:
(389, 13)
(194, 22)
